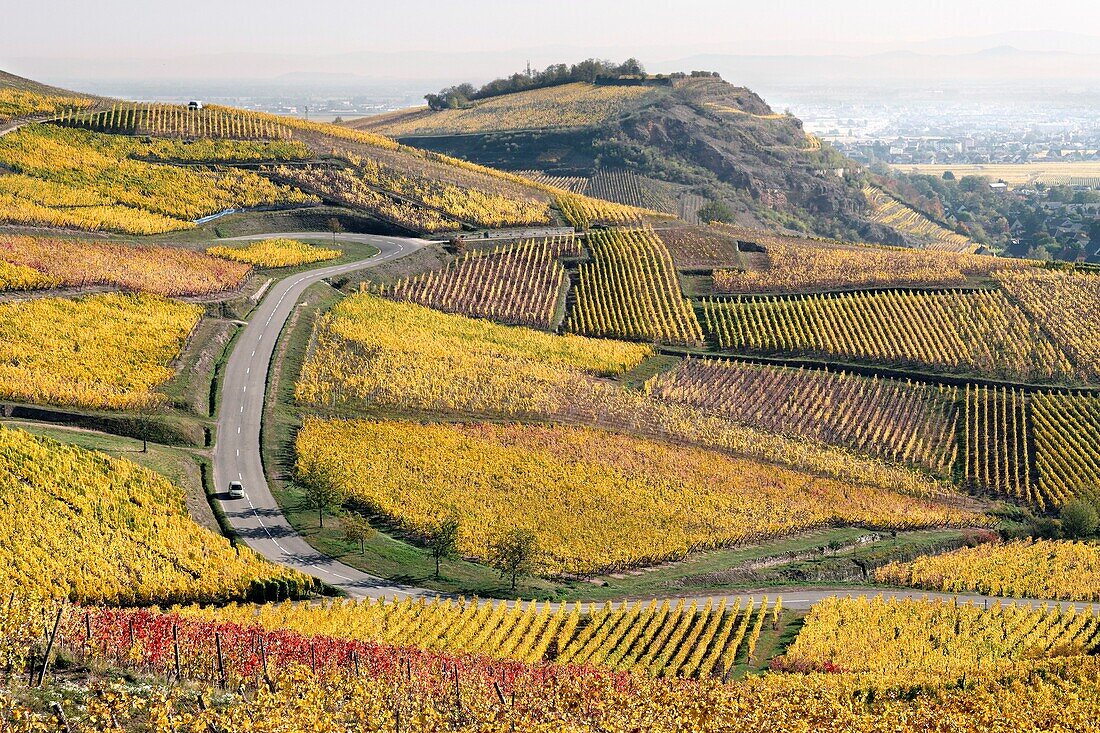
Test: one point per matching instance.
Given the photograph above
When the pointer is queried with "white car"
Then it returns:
(236, 490)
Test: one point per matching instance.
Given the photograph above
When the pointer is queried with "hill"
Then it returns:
(21, 97)
(675, 142)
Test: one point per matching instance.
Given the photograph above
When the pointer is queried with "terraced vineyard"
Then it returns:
(85, 181)
(519, 284)
(633, 190)
(890, 212)
(630, 290)
(478, 207)
(657, 639)
(978, 332)
(343, 186)
(573, 184)
(583, 211)
(898, 421)
(171, 271)
(701, 247)
(1019, 569)
(793, 268)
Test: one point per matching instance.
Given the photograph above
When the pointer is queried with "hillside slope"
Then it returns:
(20, 97)
(709, 139)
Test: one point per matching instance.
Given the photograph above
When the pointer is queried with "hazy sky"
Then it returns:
(173, 37)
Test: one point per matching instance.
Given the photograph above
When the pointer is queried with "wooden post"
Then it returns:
(355, 661)
(221, 660)
(61, 719)
(500, 693)
(312, 658)
(49, 646)
(458, 692)
(176, 651)
(263, 661)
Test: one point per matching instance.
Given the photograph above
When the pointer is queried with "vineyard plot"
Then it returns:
(658, 639)
(519, 284)
(174, 120)
(920, 639)
(630, 290)
(597, 501)
(1019, 569)
(1067, 306)
(978, 332)
(900, 421)
(997, 455)
(1066, 431)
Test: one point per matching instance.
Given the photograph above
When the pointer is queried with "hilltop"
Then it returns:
(673, 143)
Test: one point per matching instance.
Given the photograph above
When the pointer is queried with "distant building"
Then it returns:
(194, 104)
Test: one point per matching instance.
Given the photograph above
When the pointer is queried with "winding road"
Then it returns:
(257, 518)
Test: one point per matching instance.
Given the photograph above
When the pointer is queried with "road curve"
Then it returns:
(257, 518)
(259, 521)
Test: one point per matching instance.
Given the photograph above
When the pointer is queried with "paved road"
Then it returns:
(257, 518)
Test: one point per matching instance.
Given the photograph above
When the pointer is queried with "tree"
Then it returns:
(357, 529)
(715, 211)
(948, 176)
(334, 226)
(443, 541)
(1094, 231)
(322, 494)
(514, 553)
(1079, 519)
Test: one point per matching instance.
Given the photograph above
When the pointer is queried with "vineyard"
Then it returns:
(83, 526)
(519, 283)
(914, 640)
(130, 195)
(898, 421)
(996, 454)
(170, 271)
(1067, 306)
(795, 268)
(557, 107)
(701, 247)
(953, 331)
(276, 252)
(480, 208)
(596, 501)
(572, 184)
(370, 352)
(583, 212)
(888, 211)
(655, 639)
(630, 290)
(103, 351)
(282, 679)
(1066, 431)
(344, 187)
(17, 103)
(175, 120)
(1020, 569)
(631, 189)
